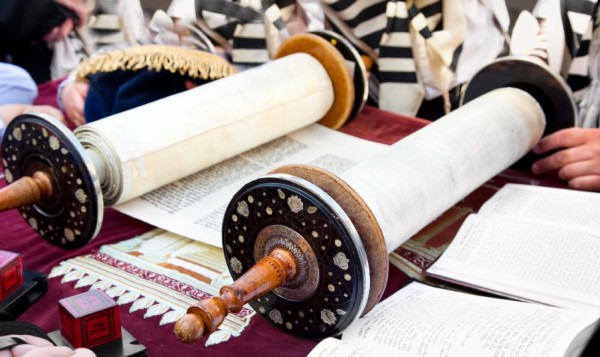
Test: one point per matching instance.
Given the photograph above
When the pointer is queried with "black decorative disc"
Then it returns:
(73, 214)
(534, 77)
(356, 66)
(341, 290)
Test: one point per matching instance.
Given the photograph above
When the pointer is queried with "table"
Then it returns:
(258, 338)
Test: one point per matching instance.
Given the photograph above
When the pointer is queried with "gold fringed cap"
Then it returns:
(187, 62)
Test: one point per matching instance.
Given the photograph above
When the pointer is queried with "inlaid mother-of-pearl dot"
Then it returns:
(17, 134)
(81, 196)
(251, 199)
(341, 261)
(33, 223)
(64, 151)
(235, 265)
(54, 143)
(328, 317)
(69, 234)
(347, 277)
(269, 211)
(338, 243)
(4, 163)
(242, 208)
(8, 176)
(295, 203)
(281, 193)
(275, 316)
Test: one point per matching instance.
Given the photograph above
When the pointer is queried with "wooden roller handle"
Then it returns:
(26, 191)
(206, 316)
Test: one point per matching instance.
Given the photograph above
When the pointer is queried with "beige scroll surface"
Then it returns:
(152, 145)
(419, 177)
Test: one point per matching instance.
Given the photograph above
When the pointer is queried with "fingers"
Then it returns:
(73, 100)
(561, 158)
(586, 183)
(49, 351)
(33, 342)
(561, 139)
(78, 7)
(83, 352)
(579, 169)
(56, 113)
(59, 33)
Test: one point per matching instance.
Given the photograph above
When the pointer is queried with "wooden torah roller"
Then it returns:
(309, 250)
(61, 181)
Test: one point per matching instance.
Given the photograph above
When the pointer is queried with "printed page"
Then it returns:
(420, 320)
(332, 347)
(546, 204)
(548, 262)
(194, 206)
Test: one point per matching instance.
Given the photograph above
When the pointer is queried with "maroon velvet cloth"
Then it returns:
(258, 338)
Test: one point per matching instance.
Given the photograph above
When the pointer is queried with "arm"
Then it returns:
(9, 111)
(577, 159)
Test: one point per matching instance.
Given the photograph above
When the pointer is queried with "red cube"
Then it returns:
(90, 319)
(11, 273)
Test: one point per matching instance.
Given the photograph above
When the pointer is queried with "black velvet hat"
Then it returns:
(125, 79)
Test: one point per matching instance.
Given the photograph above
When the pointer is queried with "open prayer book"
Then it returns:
(530, 243)
(420, 320)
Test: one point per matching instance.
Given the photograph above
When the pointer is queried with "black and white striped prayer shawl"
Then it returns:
(381, 29)
(584, 70)
(244, 28)
(578, 26)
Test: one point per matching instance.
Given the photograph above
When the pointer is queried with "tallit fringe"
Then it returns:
(187, 62)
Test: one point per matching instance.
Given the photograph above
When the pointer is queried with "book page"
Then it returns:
(194, 206)
(332, 347)
(552, 263)
(420, 320)
(547, 204)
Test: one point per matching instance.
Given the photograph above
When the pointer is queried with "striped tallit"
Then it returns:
(577, 20)
(250, 30)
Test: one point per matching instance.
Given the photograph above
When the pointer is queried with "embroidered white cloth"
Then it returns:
(160, 272)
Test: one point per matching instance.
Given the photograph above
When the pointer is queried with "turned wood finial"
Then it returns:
(26, 191)
(206, 316)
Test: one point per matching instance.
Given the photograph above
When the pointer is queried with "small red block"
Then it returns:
(11, 273)
(89, 319)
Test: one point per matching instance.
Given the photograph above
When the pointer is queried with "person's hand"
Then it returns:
(578, 158)
(39, 347)
(78, 7)
(73, 100)
(62, 31)
(9, 111)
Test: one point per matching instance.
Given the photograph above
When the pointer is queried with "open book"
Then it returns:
(420, 320)
(530, 243)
